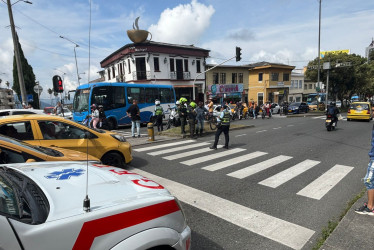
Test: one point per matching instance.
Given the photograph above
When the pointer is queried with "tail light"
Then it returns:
(349, 111)
(329, 116)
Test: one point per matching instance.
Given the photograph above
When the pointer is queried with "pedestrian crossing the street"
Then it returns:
(193, 153)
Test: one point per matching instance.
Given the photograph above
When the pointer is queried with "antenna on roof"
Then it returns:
(86, 201)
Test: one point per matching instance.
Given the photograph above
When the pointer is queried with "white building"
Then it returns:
(159, 63)
(297, 86)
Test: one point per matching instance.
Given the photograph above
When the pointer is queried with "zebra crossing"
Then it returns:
(200, 153)
(323, 117)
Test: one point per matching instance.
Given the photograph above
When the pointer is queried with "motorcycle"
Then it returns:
(173, 118)
(330, 123)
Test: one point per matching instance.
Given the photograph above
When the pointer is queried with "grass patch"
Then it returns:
(332, 224)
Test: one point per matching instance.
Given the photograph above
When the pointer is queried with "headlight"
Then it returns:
(119, 137)
(296, 107)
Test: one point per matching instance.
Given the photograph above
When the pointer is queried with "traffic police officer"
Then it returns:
(183, 114)
(223, 125)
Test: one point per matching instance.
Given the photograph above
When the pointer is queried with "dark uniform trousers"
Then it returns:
(225, 130)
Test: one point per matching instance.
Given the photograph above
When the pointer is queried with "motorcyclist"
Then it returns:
(191, 113)
(334, 111)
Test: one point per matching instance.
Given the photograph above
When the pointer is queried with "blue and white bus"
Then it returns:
(116, 98)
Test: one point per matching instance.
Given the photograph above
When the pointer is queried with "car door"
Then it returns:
(21, 130)
(66, 135)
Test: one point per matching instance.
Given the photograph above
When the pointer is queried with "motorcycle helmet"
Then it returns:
(157, 102)
(182, 100)
(177, 103)
(193, 104)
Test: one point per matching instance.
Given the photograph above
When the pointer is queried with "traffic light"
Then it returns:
(57, 84)
(238, 54)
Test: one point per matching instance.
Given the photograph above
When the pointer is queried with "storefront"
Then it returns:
(226, 92)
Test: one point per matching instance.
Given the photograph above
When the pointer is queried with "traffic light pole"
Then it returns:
(17, 56)
(205, 79)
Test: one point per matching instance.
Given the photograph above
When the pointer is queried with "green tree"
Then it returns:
(344, 81)
(28, 75)
(371, 55)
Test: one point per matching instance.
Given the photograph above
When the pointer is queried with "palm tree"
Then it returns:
(50, 92)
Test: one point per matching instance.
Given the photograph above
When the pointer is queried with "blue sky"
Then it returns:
(283, 31)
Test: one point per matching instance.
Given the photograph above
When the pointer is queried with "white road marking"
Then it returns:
(291, 125)
(319, 187)
(189, 153)
(277, 128)
(212, 156)
(179, 148)
(230, 162)
(240, 135)
(288, 174)
(245, 172)
(281, 231)
(163, 145)
(261, 131)
(319, 117)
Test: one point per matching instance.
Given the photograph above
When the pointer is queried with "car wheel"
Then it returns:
(114, 159)
(348, 119)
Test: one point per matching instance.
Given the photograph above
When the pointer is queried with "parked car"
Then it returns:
(6, 112)
(275, 108)
(15, 151)
(49, 110)
(41, 207)
(67, 113)
(360, 111)
(46, 130)
(298, 107)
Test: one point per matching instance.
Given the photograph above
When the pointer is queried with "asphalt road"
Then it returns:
(275, 188)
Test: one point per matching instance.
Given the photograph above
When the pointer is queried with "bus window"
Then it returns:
(119, 97)
(166, 95)
(151, 94)
(108, 96)
(135, 93)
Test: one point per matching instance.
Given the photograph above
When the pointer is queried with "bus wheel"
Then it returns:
(113, 159)
(112, 124)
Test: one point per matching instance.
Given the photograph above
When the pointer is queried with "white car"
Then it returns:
(41, 207)
(275, 108)
(67, 113)
(6, 112)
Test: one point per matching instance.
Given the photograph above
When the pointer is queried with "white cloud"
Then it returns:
(184, 24)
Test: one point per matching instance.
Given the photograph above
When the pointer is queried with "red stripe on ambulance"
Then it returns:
(92, 229)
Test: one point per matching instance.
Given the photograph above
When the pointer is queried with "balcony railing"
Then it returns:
(141, 75)
(180, 75)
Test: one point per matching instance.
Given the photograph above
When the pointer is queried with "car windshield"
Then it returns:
(21, 198)
(38, 149)
(359, 106)
(81, 98)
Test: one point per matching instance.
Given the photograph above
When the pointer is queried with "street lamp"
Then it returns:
(80, 77)
(319, 44)
(75, 54)
(16, 50)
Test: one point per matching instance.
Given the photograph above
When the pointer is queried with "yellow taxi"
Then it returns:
(15, 151)
(54, 131)
(359, 111)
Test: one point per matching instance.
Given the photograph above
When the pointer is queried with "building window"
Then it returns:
(274, 76)
(260, 98)
(234, 78)
(240, 78)
(310, 86)
(223, 78)
(300, 84)
(185, 65)
(292, 84)
(298, 99)
(198, 66)
(128, 63)
(286, 77)
(172, 65)
(215, 78)
(305, 86)
(114, 72)
(260, 75)
(156, 63)
(109, 74)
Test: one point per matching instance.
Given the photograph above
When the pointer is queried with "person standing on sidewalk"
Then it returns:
(223, 125)
(182, 111)
(192, 118)
(159, 113)
(200, 114)
(368, 207)
(134, 113)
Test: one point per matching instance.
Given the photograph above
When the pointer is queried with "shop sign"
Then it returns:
(227, 88)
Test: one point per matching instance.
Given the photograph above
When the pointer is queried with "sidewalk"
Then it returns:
(355, 231)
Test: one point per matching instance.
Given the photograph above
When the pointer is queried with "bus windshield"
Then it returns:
(81, 98)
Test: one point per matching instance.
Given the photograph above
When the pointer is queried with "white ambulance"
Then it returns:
(42, 207)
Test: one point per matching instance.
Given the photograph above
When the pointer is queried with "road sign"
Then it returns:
(38, 89)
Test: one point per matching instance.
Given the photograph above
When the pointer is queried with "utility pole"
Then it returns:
(16, 53)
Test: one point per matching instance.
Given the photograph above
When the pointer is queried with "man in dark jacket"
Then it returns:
(200, 114)
(134, 113)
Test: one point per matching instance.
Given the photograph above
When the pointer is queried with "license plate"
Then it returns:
(328, 120)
